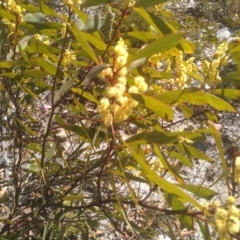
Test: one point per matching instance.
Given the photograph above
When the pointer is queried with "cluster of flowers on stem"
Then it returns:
(227, 219)
(116, 106)
(17, 10)
(73, 2)
(237, 170)
(211, 70)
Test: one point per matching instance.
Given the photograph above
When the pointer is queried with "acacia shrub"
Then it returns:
(88, 118)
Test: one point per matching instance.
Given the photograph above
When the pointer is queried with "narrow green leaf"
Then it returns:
(45, 9)
(166, 165)
(95, 41)
(195, 96)
(73, 197)
(227, 93)
(38, 27)
(144, 14)
(23, 53)
(7, 15)
(4, 31)
(186, 110)
(143, 36)
(50, 152)
(29, 130)
(160, 108)
(216, 135)
(83, 42)
(46, 65)
(29, 91)
(181, 158)
(145, 4)
(233, 77)
(93, 73)
(163, 137)
(34, 17)
(224, 174)
(91, 3)
(94, 23)
(176, 204)
(76, 129)
(84, 94)
(206, 235)
(64, 88)
(199, 191)
(194, 152)
(161, 182)
(163, 26)
(137, 63)
(159, 45)
(8, 64)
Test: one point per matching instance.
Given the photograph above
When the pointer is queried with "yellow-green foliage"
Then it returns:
(89, 114)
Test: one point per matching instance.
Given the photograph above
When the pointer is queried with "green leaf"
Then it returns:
(199, 191)
(7, 15)
(224, 174)
(195, 96)
(176, 204)
(34, 17)
(73, 197)
(160, 108)
(227, 93)
(145, 4)
(206, 235)
(181, 158)
(95, 41)
(166, 164)
(93, 73)
(216, 135)
(91, 3)
(233, 77)
(83, 42)
(29, 130)
(143, 36)
(186, 110)
(38, 27)
(50, 152)
(159, 45)
(84, 94)
(64, 88)
(46, 65)
(163, 26)
(137, 63)
(194, 152)
(76, 129)
(29, 91)
(94, 23)
(163, 137)
(3, 35)
(144, 14)
(47, 10)
(8, 64)
(161, 182)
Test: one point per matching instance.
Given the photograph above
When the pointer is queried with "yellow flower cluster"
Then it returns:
(219, 59)
(73, 2)
(42, 38)
(115, 106)
(16, 9)
(157, 8)
(237, 170)
(126, 3)
(227, 220)
(10, 25)
(68, 58)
